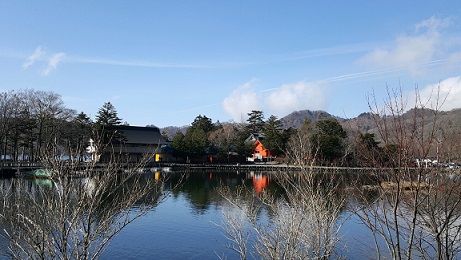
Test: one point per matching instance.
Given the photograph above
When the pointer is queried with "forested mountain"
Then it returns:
(447, 121)
(365, 122)
(297, 118)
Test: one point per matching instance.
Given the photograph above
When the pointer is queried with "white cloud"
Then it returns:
(426, 44)
(408, 51)
(34, 57)
(278, 101)
(53, 62)
(50, 61)
(434, 23)
(448, 90)
(241, 101)
(297, 96)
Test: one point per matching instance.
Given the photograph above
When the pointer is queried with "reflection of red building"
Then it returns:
(260, 182)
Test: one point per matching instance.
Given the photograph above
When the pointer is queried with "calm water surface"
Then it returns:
(185, 225)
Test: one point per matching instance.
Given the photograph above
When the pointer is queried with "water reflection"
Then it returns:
(71, 217)
(200, 187)
(438, 214)
(260, 182)
(184, 226)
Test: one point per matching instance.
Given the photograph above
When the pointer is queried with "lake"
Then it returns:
(187, 222)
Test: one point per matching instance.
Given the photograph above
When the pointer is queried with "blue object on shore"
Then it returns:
(40, 173)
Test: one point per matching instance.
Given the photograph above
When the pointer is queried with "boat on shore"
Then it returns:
(39, 174)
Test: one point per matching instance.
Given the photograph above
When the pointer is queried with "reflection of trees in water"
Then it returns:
(199, 187)
(72, 217)
(415, 218)
(416, 212)
(299, 223)
(440, 217)
(198, 190)
(302, 219)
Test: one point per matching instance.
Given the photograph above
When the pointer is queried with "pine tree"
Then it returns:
(204, 123)
(273, 135)
(255, 121)
(82, 124)
(328, 139)
(179, 145)
(107, 116)
(106, 120)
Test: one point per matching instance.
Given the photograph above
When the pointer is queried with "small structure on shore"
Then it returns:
(260, 152)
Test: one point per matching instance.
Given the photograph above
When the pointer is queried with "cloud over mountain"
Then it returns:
(297, 96)
(448, 91)
(277, 101)
(241, 101)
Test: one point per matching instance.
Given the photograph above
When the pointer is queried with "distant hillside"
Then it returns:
(171, 131)
(362, 123)
(449, 121)
(297, 118)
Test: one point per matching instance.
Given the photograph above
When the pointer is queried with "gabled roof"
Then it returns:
(255, 137)
(142, 135)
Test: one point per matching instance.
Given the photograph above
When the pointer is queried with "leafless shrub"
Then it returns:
(303, 224)
(308, 218)
(300, 149)
(239, 218)
(83, 208)
(439, 216)
(415, 209)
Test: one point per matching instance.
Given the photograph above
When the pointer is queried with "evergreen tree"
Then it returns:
(367, 150)
(179, 145)
(368, 140)
(273, 133)
(196, 141)
(104, 127)
(196, 137)
(204, 123)
(107, 116)
(83, 124)
(328, 140)
(255, 121)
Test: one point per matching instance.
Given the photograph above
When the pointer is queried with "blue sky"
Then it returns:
(165, 62)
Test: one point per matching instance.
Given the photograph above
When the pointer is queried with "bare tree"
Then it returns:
(439, 217)
(83, 208)
(414, 207)
(29, 121)
(301, 224)
(240, 218)
(304, 224)
(302, 149)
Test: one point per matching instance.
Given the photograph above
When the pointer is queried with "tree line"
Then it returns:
(324, 142)
(227, 141)
(34, 123)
